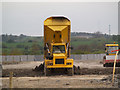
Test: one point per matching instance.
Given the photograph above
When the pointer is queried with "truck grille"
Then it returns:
(59, 61)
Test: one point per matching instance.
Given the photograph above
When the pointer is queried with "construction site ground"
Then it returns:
(89, 74)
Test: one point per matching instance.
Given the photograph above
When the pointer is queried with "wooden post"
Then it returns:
(10, 80)
(114, 67)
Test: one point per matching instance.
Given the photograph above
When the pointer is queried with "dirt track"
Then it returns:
(24, 69)
(33, 64)
(83, 71)
(91, 74)
(83, 81)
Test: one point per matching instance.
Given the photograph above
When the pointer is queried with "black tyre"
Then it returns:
(104, 65)
(70, 71)
(47, 71)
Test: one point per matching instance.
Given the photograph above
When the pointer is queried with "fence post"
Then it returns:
(10, 80)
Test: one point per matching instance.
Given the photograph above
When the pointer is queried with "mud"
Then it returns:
(86, 74)
(39, 68)
(109, 79)
(84, 71)
(40, 72)
(76, 81)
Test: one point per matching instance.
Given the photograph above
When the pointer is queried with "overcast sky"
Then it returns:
(28, 17)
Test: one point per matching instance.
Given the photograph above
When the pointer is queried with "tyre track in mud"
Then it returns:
(37, 73)
(78, 70)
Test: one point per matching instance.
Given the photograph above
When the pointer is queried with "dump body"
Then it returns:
(110, 56)
(56, 30)
(57, 43)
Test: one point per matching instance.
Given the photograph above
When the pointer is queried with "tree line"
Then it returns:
(28, 45)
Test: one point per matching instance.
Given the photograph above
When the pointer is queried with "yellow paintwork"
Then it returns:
(107, 45)
(57, 32)
(111, 45)
(59, 56)
(59, 65)
(111, 54)
(57, 43)
(56, 26)
(57, 21)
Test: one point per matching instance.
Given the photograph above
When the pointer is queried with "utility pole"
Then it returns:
(109, 29)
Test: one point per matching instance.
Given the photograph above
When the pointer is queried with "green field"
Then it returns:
(27, 45)
(89, 46)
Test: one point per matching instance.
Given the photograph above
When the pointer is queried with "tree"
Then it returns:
(4, 45)
(30, 41)
(10, 41)
(4, 52)
(26, 50)
(98, 34)
(35, 49)
(20, 46)
(115, 37)
(15, 51)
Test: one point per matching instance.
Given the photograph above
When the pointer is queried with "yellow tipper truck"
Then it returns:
(57, 45)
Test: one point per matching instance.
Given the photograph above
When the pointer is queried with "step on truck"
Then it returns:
(57, 45)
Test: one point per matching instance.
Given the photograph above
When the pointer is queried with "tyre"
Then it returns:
(104, 58)
(70, 71)
(47, 71)
(104, 65)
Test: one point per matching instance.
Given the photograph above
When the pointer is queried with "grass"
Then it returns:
(93, 45)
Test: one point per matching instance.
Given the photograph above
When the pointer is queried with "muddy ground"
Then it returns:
(87, 74)
(82, 81)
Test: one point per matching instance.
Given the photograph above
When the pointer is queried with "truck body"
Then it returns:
(57, 44)
(108, 60)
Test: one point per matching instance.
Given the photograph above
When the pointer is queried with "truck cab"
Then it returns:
(58, 57)
(111, 47)
(108, 59)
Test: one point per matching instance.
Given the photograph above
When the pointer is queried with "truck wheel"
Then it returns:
(104, 58)
(70, 71)
(47, 71)
(118, 64)
(104, 65)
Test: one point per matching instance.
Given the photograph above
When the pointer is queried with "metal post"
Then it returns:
(114, 67)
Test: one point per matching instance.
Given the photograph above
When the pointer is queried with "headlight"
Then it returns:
(69, 63)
